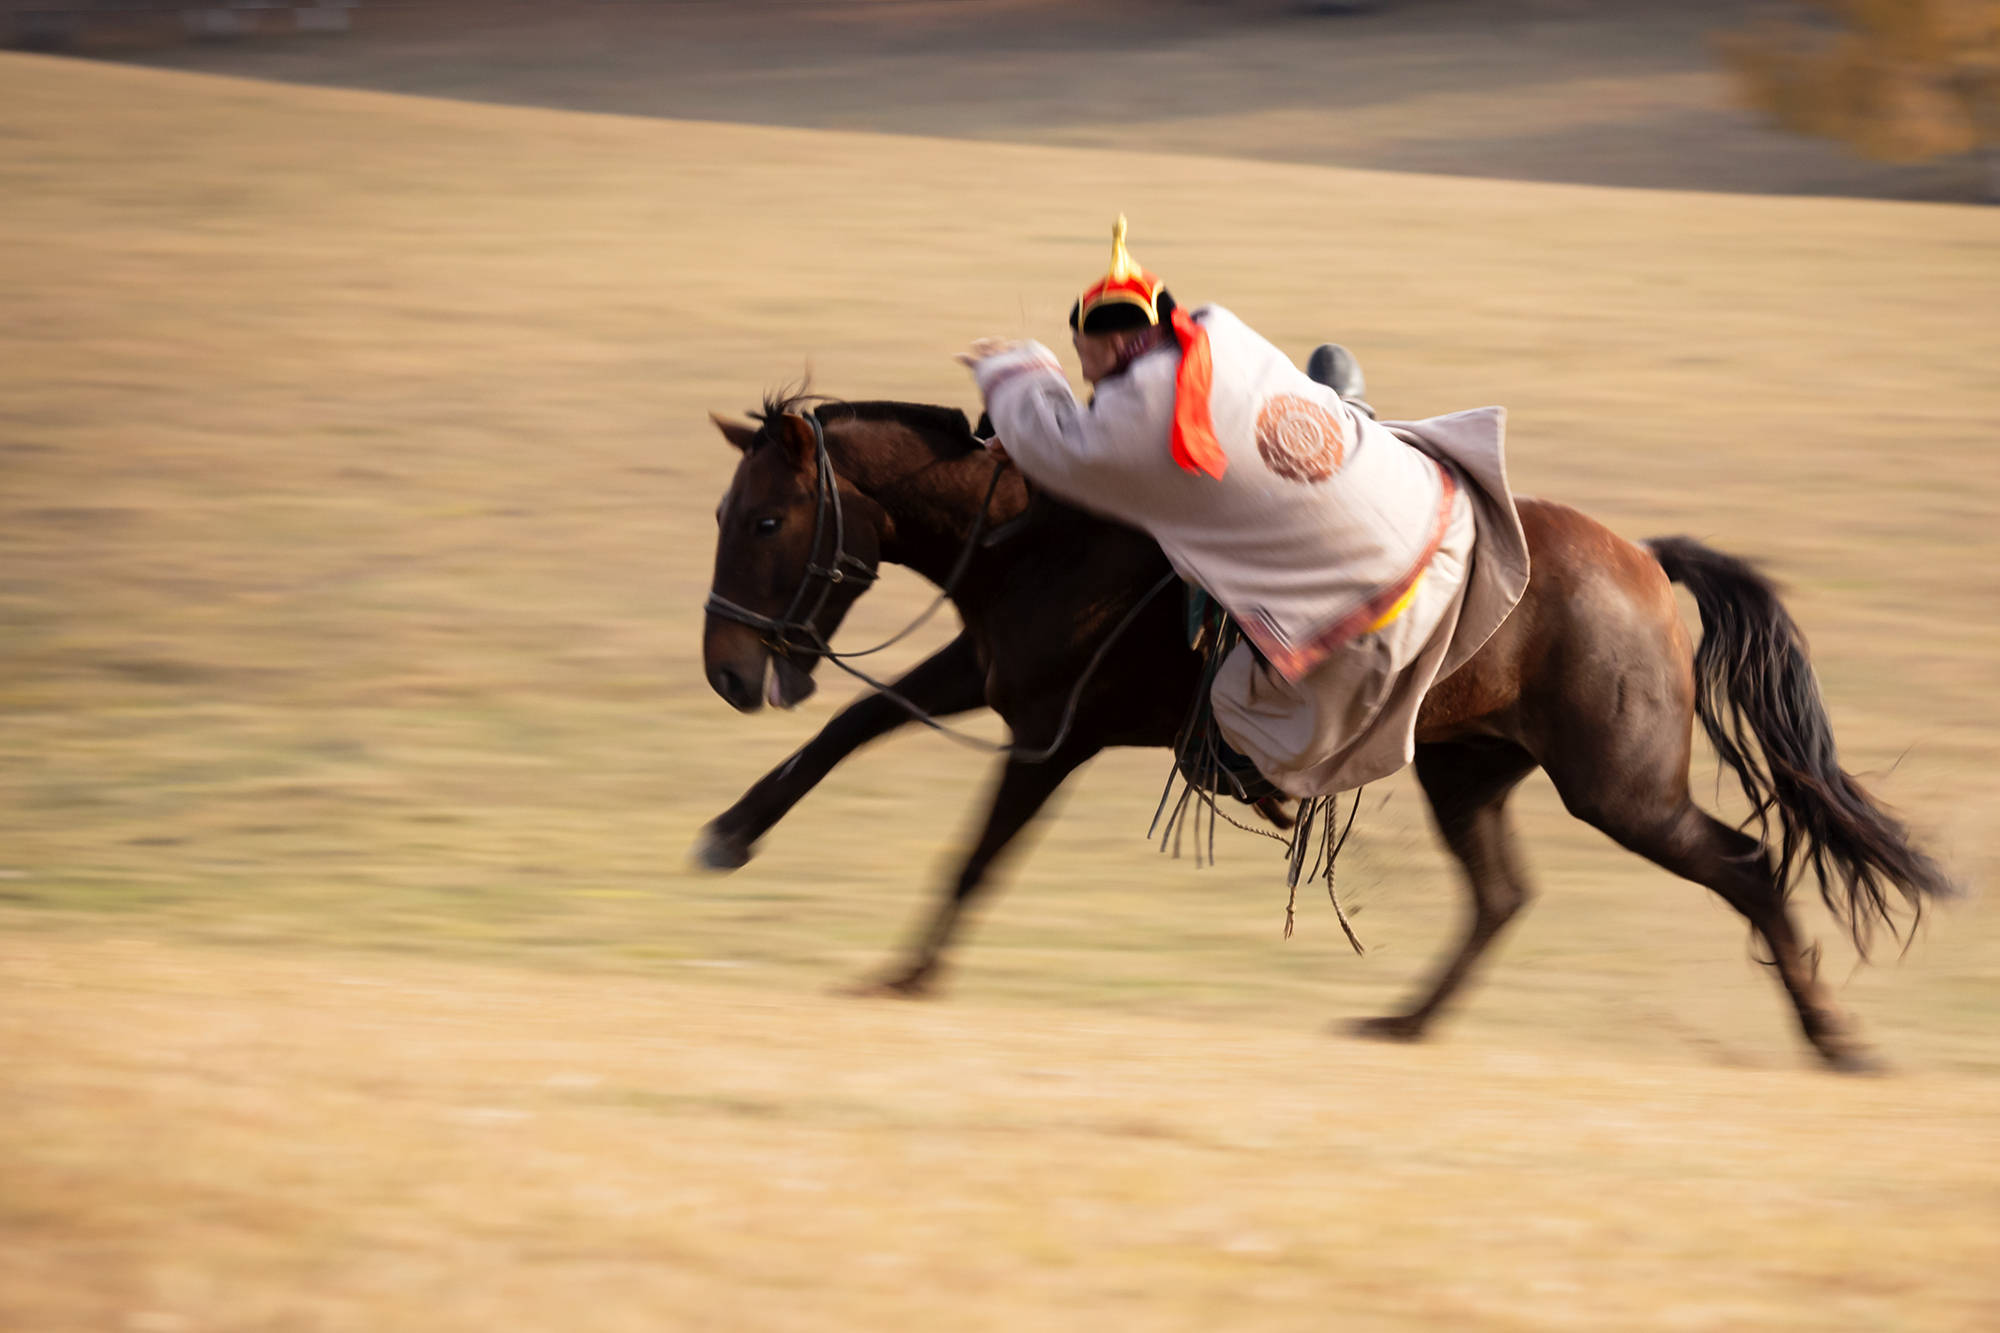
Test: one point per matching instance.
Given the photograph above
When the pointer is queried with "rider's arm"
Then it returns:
(1048, 434)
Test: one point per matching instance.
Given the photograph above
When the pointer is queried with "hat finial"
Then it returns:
(1121, 261)
(1127, 286)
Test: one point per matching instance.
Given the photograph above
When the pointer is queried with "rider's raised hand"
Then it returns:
(982, 348)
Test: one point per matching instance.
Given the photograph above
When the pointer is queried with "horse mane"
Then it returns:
(944, 429)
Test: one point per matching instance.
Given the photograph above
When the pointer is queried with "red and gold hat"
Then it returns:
(1127, 297)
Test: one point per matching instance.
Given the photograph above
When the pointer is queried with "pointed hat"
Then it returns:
(1129, 297)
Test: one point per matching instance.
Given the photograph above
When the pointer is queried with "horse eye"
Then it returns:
(766, 526)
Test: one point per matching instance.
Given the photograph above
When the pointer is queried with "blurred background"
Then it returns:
(355, 518)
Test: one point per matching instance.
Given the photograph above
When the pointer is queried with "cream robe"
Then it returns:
(1312, 534)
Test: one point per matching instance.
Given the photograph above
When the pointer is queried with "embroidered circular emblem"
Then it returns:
(1299, 439)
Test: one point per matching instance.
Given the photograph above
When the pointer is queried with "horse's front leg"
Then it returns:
(1022, 790)
(948, 682)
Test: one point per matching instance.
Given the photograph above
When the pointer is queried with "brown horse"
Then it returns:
(1592, 678)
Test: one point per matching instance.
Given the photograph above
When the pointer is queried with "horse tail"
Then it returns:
(1753, 660)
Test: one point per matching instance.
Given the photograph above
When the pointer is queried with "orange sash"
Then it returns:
(1195, 445)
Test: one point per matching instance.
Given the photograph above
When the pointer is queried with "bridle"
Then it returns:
(792, 633)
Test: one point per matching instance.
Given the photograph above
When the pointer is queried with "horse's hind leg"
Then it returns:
(1468, 784)
(1632, 785)
(1697, 846)
(947, 682)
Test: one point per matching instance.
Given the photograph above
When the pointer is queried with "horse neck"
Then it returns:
(932, 504)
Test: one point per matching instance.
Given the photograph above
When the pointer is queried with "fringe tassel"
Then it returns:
(1200, 776)
(1198, 766)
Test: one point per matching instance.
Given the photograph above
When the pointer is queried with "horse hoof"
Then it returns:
(909, 986)
(715, 850)
(1855, 1061)
(1387, 1028)
(1839, 1047)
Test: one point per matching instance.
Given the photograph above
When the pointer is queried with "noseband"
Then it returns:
(793, 632)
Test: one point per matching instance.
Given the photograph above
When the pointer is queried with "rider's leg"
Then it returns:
(1335, 367)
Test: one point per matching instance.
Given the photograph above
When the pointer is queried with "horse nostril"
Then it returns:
(727, 684)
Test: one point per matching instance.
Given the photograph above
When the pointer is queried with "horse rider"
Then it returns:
(1361, 562)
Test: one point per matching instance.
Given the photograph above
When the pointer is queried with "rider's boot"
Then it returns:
(1335, 367)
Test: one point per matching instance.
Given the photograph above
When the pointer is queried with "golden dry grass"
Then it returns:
(356, 491)
(362, 1143)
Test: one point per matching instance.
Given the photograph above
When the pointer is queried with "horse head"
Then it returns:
(796, 546)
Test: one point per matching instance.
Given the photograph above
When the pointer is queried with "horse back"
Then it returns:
(1595, 604)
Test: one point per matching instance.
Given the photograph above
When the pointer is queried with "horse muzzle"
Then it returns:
(754, 676)
(789, 684)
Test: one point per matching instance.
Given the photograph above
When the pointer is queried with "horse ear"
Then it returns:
(797, 437)
(738, 433)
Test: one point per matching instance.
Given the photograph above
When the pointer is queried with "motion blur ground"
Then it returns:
(358, 491)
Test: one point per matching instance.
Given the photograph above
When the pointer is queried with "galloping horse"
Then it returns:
(1592, 678)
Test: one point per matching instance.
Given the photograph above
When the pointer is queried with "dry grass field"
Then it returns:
(354, 519)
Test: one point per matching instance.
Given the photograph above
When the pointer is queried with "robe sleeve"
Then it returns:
(1055, 441)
